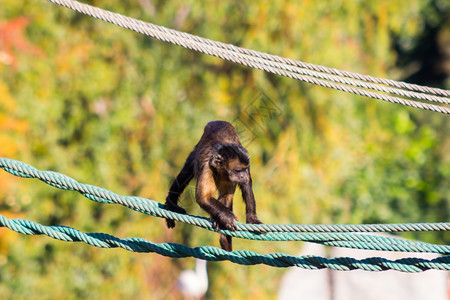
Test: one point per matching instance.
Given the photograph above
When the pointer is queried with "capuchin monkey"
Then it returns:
(220, 163)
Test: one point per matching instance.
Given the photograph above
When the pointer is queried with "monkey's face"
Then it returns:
(231, 162)
(237, 171)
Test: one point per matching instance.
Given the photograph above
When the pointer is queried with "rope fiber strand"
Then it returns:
(328, 77)
(311, 262)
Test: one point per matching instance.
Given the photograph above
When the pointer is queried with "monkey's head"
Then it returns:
(231, 160)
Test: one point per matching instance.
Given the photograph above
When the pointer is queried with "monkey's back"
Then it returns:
(219, 131)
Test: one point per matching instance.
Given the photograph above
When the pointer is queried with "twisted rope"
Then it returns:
(323, 76)
(332, 235)
(102, 240)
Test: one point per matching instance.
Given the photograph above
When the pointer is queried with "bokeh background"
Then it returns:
(116, 109)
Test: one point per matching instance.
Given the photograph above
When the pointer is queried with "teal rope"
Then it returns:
(311, 262)
(323, 234)
(154, 208)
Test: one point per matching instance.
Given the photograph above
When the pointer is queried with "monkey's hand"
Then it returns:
(224, 220)
(169, 205)
(253, 219)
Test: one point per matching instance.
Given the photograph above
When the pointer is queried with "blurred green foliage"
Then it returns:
(115, 109)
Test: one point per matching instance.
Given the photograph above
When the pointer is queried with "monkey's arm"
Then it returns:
(222, 216)
(250, 204)
(227, 199)
(178, 186)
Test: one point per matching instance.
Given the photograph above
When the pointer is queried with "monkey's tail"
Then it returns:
(226, 242)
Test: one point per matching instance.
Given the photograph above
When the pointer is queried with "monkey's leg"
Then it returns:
(250, 205)
(178, 186)
(226, 240)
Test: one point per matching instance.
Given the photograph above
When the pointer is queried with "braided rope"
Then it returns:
(332, 235)
(242, 257)
(274, 64)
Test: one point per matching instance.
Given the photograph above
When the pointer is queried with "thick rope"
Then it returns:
(294, 69)
(242, 257)
(332, 235)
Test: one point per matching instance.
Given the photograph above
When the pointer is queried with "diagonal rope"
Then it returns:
(310, 73)
(332, 235)
(242, 257)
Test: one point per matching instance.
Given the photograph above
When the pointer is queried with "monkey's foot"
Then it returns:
(175, 208)
(224, 221)
(253, 219)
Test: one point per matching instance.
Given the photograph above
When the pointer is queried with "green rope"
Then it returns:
(102, 240)
(151, 207)
(331, 235)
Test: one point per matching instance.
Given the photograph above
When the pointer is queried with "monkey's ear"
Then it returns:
(216, 161)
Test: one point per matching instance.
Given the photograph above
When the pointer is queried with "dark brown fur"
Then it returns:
(220, 163)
